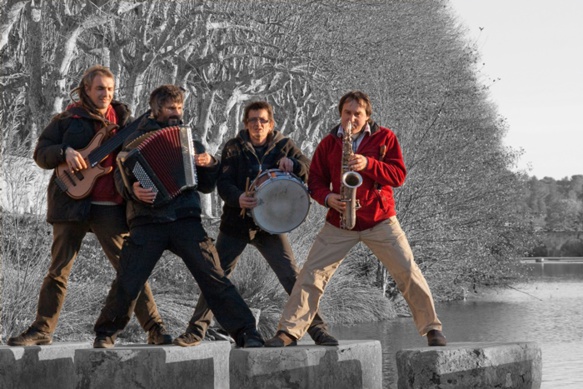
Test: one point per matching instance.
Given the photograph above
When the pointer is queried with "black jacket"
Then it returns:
(239, 162)
(185, 205)
(75, 128)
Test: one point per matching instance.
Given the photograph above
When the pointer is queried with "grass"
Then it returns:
(26, 246)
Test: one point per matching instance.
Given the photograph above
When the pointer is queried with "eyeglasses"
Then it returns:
(255, 120)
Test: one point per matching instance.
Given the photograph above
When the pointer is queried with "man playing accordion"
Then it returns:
(174, 225)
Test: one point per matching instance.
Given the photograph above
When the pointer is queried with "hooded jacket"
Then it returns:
(239, 161)
(74, 128)
(185, 205)
(385, 170)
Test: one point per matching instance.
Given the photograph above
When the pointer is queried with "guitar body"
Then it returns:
(78, 185)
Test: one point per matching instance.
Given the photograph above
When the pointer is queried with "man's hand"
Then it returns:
(204, 160)
(334, 202)
(247, 202)
(357, 162)
(286, 165)
(143, 194)
(75, 160)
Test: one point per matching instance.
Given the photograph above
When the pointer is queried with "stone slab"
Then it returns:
(78, 365)
(205, 366)
(353, 364)
(471, 365)
(50, 367)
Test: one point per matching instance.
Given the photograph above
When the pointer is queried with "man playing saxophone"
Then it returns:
(363, 210)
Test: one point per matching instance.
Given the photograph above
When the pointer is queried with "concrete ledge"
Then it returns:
(145, 366)
(353, 364)
(51, 367)
(471, 365)
(78, 365)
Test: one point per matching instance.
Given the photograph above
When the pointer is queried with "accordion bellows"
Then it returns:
(162, 160)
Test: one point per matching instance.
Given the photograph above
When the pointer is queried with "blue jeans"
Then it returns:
(187, 239)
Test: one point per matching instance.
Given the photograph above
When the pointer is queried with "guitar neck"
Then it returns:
(109, 146)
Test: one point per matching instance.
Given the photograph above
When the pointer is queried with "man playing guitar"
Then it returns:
(101, 210)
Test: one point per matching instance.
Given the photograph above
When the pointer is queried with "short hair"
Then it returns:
(256, 106)
(163, 95)
(358, 96)
(87, 81)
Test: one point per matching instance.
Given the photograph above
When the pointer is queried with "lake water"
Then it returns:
(547, 310)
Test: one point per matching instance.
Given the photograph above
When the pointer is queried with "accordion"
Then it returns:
(162, 160)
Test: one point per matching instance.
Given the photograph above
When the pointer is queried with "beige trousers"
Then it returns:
(388, 242)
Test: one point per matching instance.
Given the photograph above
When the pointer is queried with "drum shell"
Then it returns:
(283, 201)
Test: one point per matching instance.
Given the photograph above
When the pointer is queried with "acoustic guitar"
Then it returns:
(79, 184)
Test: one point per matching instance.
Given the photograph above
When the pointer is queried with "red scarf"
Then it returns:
(104, 189)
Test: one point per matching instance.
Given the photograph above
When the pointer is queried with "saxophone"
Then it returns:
(349, 182)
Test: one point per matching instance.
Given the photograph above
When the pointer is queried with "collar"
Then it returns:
(366, 131)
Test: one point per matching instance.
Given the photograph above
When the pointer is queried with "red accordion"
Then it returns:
(162, 160)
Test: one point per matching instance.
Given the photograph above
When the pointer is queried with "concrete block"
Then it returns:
(353, 364)
(471, 365)
(50, 367)
(145, 366)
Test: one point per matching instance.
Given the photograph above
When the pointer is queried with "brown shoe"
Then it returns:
(31, 337)
(158, 335)
(188, 339)
(281, 339)
(436, 338)
(322, 338)
(104, 341)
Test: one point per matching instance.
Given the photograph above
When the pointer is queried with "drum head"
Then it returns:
(283, 203)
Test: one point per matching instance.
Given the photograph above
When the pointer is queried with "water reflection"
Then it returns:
(555, 269)
(547, 310)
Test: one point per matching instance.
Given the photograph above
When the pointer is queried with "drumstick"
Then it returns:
(246, 194)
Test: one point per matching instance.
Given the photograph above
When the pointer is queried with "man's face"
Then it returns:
(101, 92)
(355, 113)
(171, 113)
(259, 126)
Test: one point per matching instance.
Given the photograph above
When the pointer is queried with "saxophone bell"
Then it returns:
(351, 179)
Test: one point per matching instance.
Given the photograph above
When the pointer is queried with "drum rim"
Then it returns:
(283, 176)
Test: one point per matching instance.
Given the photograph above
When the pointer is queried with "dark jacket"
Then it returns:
(75, 128)
(239, 162)
(185, 205)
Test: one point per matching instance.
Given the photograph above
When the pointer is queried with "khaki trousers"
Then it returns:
(389, 243)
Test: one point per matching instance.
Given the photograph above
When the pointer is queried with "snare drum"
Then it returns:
(283, 201)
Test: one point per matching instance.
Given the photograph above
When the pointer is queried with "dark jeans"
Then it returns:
(187, 239)
(278, 253)
(108, 223)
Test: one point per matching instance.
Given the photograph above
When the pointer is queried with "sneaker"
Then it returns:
(281, 339)
(104, 341)
(188, 339)
(250, 339)
(436, 338)
(158, 335)
(322, 338)
(31, 337)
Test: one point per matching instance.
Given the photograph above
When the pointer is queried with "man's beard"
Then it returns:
(172, 121)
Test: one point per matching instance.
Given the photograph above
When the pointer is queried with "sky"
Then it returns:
(532, 55)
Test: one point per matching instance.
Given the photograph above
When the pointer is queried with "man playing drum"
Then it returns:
(254, 150)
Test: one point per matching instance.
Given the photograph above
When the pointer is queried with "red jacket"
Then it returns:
(379, 177)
